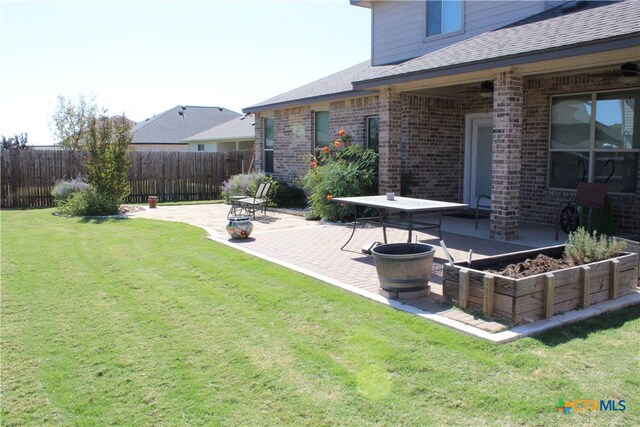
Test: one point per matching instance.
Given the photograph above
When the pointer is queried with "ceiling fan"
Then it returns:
(628, 73)
(485, 90)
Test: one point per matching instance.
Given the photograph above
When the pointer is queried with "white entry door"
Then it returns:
(478, 163)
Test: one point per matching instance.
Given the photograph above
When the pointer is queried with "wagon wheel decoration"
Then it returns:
(569, 219)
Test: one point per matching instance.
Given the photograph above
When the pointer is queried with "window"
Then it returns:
(443, 16)
(373, 127)
(200, 147)
(321, 126)
(595, 138)
(268, 145)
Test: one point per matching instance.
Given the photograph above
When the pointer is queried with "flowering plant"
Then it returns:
(342, 169)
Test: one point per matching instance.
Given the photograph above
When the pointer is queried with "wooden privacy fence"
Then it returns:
(28, 176)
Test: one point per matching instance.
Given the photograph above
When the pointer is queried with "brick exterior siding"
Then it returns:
(432, 148)
(422, 140)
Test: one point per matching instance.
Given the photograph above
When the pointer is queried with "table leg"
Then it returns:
(383, 222)
(355, 223)
(410, 227)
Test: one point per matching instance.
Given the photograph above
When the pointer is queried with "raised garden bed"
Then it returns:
(542, 295)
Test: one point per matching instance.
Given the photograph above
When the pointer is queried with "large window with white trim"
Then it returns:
(268, 145)
(444, 16)
(595, 137)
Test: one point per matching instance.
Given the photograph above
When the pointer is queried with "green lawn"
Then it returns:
(139, 322)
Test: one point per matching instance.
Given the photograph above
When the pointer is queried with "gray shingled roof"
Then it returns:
(549, 30)
(238, 128)
(335, 84)
(170, 127)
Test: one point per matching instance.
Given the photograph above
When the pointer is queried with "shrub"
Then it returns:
(108, 161)
(62, 190)
(242, 184)
(284, 195)
(584, 248)
(88, 202)
(341, 170)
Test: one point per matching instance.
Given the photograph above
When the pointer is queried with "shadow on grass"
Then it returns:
(584, 328)
(101, 219)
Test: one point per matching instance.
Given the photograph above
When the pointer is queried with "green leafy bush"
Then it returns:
(341, 170)
(62, 190)
(584, 248)
(287, 196)
(88, 202)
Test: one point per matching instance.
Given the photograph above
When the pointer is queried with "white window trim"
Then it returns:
(591, 149)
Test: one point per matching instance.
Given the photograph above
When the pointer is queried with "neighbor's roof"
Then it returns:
(555, 30)
(170, 127)
(237, 128)
(335, 86)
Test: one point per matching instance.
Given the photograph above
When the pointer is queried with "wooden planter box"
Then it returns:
(542, 295)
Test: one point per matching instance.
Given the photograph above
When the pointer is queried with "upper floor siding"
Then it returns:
(399, 27)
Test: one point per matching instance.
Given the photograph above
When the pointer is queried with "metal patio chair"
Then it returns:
(249, 205)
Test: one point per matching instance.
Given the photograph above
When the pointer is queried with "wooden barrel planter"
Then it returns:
(538, 296)
(403, 269)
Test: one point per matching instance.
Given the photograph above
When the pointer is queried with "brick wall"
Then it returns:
(390, 150)
(539, 204)
(294, 133)
(351, 115)
(432, 147)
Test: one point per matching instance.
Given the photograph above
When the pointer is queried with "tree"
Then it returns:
(71, 120)
(107, 142)
(16, 142)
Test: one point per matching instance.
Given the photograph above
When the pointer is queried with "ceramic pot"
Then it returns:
(239, 227)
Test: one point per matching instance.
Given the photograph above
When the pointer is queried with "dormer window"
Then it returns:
(443, 16)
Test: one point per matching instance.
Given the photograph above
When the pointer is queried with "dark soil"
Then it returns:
(529, 267)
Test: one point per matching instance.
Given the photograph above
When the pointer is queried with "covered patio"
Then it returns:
(313, 248)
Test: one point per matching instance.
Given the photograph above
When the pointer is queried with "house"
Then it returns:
(518, 100)
(168, 130)
(234, 135)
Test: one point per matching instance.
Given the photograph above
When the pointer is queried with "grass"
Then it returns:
(139, 322)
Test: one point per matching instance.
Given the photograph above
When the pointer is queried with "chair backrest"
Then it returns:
(591, 194)
(263, 190)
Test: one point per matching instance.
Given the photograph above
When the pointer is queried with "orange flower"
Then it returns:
(329, 197)
(341, 132)
(312, 165)
(337, 144)
(325, 149)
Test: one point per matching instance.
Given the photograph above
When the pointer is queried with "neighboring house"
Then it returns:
(234, 135)
(168, 130)
(519, 100)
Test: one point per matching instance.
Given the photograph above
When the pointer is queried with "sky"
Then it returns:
(142, 58)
